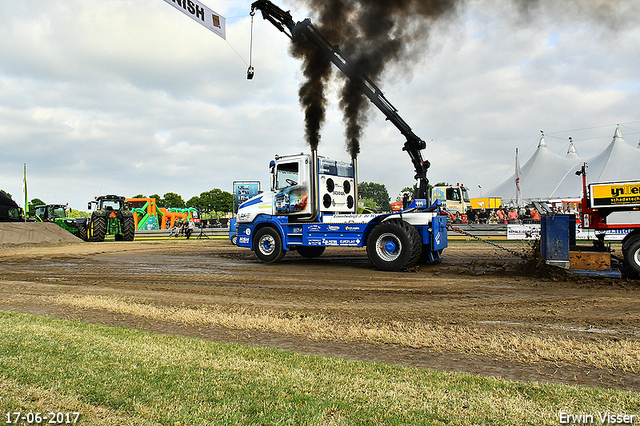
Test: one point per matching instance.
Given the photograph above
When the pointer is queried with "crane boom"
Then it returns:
(296, 30)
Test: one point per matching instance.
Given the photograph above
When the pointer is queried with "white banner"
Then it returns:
(523, 232)
(532, 231)
(203, 15)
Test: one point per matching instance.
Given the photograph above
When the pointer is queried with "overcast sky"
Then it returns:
(131, 96)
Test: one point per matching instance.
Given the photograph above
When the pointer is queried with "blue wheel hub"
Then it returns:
(390, 246)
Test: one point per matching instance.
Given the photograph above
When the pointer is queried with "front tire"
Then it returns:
(234, 240)
(98, 229)
(394, 245)
(632, 256)
(267, 244)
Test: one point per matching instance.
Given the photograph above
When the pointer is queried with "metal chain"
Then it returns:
(513, 252)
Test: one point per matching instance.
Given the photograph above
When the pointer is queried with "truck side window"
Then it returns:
(287, 175)
(453, 194)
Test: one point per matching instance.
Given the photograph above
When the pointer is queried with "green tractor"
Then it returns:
(110, 216)
(57, 213)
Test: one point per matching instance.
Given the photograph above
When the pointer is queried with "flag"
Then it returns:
(518, 191)
(26, 198)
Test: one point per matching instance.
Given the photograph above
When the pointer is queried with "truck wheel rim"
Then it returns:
(388, 247)
(267, 245)
(636, 257)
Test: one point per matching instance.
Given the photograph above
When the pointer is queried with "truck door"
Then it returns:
(291, 187)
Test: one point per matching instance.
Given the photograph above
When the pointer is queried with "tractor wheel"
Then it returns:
(632, 256)
(310, 252)
(99, 228)
(82, 231)
(394, 245)
(128, 228)
(267, 244)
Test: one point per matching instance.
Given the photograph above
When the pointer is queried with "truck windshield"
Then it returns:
(287, 175)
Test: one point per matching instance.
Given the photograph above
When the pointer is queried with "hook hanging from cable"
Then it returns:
(250, 71)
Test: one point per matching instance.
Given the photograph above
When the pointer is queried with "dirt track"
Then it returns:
(475, 293)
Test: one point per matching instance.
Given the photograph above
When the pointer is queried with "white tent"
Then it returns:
(540, 176)
(548, 176)
(619, 161)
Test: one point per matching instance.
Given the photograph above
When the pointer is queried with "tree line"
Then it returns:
(211, 204)
(215, 202)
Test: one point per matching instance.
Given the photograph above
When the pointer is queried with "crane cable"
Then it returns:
(250, 71)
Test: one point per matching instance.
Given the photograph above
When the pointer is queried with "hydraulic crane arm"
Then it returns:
(295, 31)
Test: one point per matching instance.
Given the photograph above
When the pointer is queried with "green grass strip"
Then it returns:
(123, 376)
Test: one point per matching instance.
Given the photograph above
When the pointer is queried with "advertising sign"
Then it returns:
(243, 191)
(625, 194)
(203, 15)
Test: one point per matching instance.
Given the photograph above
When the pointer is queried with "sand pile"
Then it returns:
(12, 233)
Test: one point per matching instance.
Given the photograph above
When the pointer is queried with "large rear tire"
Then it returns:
(310, 252)
(99, 228)
(128, 228)
(632, 256)
(394, 245)
(82, 231)
(267, 244)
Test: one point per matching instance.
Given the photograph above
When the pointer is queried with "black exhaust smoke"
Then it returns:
(373, 34)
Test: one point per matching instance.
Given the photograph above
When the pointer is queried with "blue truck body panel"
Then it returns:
(433, 235)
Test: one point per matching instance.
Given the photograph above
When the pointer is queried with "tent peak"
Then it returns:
(572, 148)
(618, 132)
(542, 142)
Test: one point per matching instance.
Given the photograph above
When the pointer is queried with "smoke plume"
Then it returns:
(373, 34)
(377, 33)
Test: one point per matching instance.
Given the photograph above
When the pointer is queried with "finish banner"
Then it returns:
(624, 194)
(203, 15)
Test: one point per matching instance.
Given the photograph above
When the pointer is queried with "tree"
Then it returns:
(216, 200)
(171, 199)
(377, 192)
(369, 203)
(159, 201)
(195, 202)
(410, 189)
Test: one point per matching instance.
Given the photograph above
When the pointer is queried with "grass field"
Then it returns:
(124, 376)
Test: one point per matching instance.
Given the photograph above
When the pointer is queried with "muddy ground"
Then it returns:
(475, 287)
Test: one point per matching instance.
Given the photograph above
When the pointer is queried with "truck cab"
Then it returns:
(456, 197)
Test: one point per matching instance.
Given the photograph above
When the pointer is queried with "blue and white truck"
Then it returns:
(312, 205)
(313, 202)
